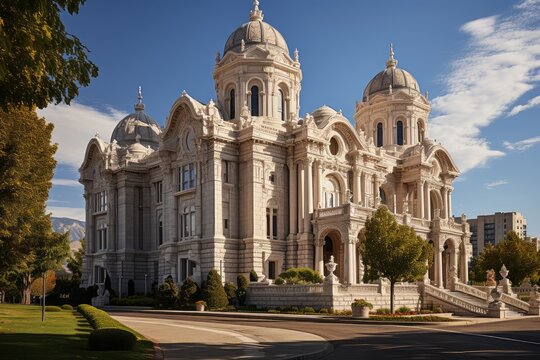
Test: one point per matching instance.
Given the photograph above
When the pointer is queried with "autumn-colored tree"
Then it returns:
(36, 289)
(40, 62)
(392, 250)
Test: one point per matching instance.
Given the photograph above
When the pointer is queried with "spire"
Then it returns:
(256, 14)
(139, 106)
(391, 61)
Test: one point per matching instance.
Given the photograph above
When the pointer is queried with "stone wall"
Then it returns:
(336, 296)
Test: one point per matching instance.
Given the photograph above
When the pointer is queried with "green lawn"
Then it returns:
(63, 335)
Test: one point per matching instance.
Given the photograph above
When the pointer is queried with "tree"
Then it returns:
(519, 256)
(36, 288)
(241, 291)
(75, 260)
(213, 292)
(39, 61)
(393, 251)
(167, 293)
(189, 292)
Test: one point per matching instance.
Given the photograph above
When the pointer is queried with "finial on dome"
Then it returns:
(139, 105)
(256, 14)
(391, 61)
(296, 55)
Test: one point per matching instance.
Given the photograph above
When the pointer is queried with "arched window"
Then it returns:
(232, 104)
(379, 135)
(420, 126)
(254, 101)
(331, 193)
(382, 195)
(281, 105)
(400, 132)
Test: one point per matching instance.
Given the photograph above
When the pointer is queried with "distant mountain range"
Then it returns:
(75, 228)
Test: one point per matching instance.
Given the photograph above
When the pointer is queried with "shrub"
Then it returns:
(426, 311)
(230, 290)
(308, 310)
(67, 307)
(323, 311)
(241, 284)
(131, 287)
(361, 303)
(383, 311)
(403, 310)
(111, 339)
(52, 308)
(273, 311)
(253, 277)
(135, 300)
(189, 292)
(301, 276)
(213, 292)
(167, 293)
(279, 281)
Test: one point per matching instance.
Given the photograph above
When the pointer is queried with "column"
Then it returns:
(438, 266)
(319, 261)
(292, 198)
(444, 210)
(428, 202)
(356, 186)
(308, 194)
(320, 184)
(367, 185)
(349, 260)
(300, 200)
(111, 218)
(420, 200)
(449, 202)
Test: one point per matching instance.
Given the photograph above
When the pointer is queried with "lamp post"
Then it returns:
(43, 299)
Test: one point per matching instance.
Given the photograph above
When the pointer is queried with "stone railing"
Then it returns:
(260, 288)
(515, 302)
(469, 290)
(454, 300)
(361, 289)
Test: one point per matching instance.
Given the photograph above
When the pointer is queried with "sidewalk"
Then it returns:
(179, 339)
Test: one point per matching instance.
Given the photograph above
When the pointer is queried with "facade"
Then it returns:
(246, 183)
(491, 229)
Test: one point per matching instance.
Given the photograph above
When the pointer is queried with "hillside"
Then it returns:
(75, 228)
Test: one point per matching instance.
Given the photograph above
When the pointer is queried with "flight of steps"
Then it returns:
(480, 302)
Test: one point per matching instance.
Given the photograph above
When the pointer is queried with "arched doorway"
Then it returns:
(448, 261)
(334, 246)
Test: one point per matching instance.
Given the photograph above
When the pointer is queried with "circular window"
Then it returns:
(334, 146)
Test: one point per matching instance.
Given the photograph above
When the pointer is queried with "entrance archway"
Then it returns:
(448, 261)
(334, 246)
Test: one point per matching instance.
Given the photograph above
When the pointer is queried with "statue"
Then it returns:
(490, 278)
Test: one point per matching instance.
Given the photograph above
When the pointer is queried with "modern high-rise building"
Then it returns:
(491, 229)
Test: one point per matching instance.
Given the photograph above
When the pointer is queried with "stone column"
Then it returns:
(301, 196)
(292, 198)
(444, 210)
(356, 186)
(349, 262)
(320, 184)
(439, 267)
(319, 261)
(111, 218)
(428, 202)
(449, 202)
(308, 193)
(420, 200)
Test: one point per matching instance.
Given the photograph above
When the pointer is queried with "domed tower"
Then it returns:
(393, 113)
(256, 74)
(137, 129)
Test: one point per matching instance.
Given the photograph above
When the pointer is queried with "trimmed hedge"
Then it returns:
(111, 339)
(106, 339)
(67, 307)
(135, 300)
(300, 276)
(52, 308)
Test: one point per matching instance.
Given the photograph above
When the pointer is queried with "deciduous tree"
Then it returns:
(36, 289)
(392, 250)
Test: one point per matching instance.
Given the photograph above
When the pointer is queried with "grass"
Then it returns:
(63, 335)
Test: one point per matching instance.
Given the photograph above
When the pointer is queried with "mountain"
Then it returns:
(75, 228)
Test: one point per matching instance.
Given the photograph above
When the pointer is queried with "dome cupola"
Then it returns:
(137, 127)
(390, 79)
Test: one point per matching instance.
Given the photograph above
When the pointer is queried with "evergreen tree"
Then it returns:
(189, 292)
(241, 285)
(213, 292)
(393, 251)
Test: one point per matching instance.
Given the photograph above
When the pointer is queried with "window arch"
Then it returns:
(331, 192)
(379, 134)
(232, 104)
(281, 105)
(254, 100)
(421, 130)
(399, 132)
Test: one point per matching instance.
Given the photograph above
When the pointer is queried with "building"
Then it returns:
(246, 183)
(491, 229)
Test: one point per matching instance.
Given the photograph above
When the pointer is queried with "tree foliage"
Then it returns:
(301, 276)
(189, 292)
(392, 250)
(519, 257)
(36, 289)
(40, 62)
(167, 293)
(75, 260)
(213, 292)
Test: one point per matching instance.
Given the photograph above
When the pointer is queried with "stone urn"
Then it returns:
(200, 305)
(360, 309)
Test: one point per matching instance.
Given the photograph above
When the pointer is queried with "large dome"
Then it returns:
(391, 76)
(256, 31)
(137, 127)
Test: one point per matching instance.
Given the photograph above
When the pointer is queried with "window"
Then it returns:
(226, 224)
(225, 171)
(100, 201)
(158, 186)
(331, 193)
(232, 105)
(99, 274)
(188, 222)
(400, 132)
(160, 230)
(272, 270)
(379, 135)
(101, 237)
(281, 105)
(271, 223)
(187, 175)
(334, 146)
(420, 126)
(382, 195)
(186, 268)
(254, 101)
(272, 178)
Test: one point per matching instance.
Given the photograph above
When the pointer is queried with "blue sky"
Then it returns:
(479, 60)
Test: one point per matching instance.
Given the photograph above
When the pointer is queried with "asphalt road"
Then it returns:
(511, 339)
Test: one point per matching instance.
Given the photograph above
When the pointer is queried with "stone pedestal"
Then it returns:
(497, 309)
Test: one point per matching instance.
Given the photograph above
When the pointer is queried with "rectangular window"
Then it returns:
(187, 269)
(160, 230)
(268, 234)
(226, 224)
(101, 237)
(187, 176)
(158, 186)
(188, 222)
(271, 223)
(100, 201)
(225, 171)
(274, 224)
(272, 270)
(99, 274)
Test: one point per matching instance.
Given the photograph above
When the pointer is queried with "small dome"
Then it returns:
(391, 76)
(137, 127)
(323, 113)
(255, 32)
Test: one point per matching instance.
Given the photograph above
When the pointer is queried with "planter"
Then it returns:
(360, 312)
(199, 307)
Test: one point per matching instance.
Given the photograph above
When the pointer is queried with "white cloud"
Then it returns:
(519, 108)
(75, 125)
(500, 64)
(494, 184)
(66, 182)
(522, 145)
(68, 212)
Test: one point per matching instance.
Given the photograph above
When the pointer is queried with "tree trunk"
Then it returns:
(392, 283)
(24, 282)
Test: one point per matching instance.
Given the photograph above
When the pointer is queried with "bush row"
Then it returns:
(135, 300)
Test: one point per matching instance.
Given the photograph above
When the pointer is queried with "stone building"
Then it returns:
(246, 183)
(491, 229)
